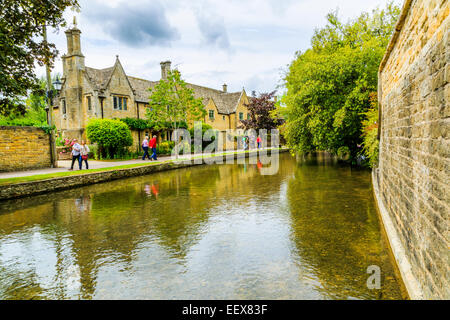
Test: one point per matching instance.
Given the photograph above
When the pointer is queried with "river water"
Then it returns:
(207, 232)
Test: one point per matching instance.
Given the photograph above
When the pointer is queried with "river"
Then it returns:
(207, 232)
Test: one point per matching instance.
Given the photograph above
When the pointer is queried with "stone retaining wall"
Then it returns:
(414, 165)
(23, 148)
(18, 190)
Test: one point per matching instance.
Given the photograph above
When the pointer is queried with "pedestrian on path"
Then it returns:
(76, 156)
(84, 151)
(145, 148)
(258, 141)
(152, 144)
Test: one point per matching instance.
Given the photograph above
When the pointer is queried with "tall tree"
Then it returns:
(172, 101)
(260, 110)
(329, 85)
(22, 46)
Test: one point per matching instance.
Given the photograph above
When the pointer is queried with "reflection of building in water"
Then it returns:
(112, 220)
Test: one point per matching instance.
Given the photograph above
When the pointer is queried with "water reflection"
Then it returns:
(208, 232)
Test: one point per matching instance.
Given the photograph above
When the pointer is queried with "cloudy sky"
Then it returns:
(243, 43)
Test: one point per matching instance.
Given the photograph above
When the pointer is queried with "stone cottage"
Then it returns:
(88, 93)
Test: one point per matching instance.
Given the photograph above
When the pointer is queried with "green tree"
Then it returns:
(22, 24)
(329, 85)
(112, 136)
(171, 101)
(370, 131)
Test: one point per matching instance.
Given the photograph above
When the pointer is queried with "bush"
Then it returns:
(205, 127)
(112, 136)
(370, 132)
(165, 147)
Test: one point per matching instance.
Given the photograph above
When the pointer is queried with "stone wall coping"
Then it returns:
(27, 128)
(398, 28)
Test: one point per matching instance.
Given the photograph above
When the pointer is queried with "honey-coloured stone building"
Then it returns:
(88, 93)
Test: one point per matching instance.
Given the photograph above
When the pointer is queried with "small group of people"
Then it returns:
(146, 144)
(247, 142)
(80, 154)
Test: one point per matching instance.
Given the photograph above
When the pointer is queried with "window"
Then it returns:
(248, 116)
(223, 118)
(120, 103)
(211, 114)
(89, 102)
(63, 102)
(241, 116)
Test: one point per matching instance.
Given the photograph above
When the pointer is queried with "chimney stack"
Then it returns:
(224, 86)
(165, 68)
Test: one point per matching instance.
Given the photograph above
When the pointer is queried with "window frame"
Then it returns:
(209, 114)
(63, 106)
(89, 102)
(120, 102)
(241, 116)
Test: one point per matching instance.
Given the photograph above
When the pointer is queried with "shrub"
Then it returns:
(112, 136)
(165, 147)
(370, 132)
(205, 127)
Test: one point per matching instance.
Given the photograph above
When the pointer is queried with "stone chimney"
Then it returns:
(165, 68)
(224, 86)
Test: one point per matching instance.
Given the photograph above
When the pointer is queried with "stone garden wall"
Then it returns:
(412, 179)
(23, 148)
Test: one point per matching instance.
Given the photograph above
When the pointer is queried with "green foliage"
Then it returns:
(22, 24)
(35, 114)
(112, 136)
(137, 124)
(205, 127)
(165, 147)
(171, 101)
(329, 85)
(370, 132)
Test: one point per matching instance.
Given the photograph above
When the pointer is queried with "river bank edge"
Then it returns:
(25, 189)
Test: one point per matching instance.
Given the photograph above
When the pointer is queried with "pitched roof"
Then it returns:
(226, 102)
(140, 87)
(99, 77)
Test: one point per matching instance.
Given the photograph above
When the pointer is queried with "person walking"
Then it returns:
(145, 148)
(152, 144)
(76, 148)
(84, 151)
(258, 141)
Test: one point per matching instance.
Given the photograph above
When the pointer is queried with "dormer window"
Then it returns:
(211, 114)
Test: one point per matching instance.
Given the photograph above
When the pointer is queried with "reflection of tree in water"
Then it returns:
(15, 284)
(336, 231)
